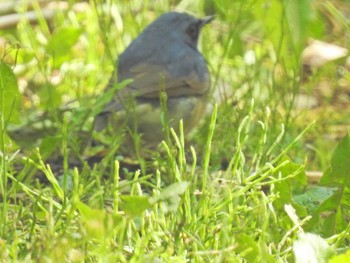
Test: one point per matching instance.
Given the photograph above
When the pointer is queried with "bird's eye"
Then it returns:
(193, 31)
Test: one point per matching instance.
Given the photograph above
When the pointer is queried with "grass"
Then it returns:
(236, 191)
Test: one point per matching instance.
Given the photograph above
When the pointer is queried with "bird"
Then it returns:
(164, 57)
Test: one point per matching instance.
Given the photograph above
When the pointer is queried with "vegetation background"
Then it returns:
(265, 178)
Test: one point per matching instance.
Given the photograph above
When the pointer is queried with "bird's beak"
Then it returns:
(206, 20)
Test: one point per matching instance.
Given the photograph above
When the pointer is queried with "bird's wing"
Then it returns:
(149, 80)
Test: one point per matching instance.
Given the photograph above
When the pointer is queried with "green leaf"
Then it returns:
(298, 13)
(9, 94)
(313, 197)
(289, 186)
(134, 205)
(61, 42)
(97, 223)
(341, 258)
(311, 248)
(24, 55)
(247, 247)
(331, 215)
(273, 26)
(338, 173)
(50, 97)
(49, 144)
(170, 196)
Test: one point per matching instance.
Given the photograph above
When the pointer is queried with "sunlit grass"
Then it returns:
(218, 196)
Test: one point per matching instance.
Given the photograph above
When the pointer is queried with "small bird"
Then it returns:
(163, 58)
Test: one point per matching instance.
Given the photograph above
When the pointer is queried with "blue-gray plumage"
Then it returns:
(164, 57)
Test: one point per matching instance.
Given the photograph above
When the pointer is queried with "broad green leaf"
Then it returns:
(49, 144)
(331, 215)
(61, 42)
(286, 188)
(273, 23)
(334, 222)
(339, 172)
(23, 55)
(97, 223)
(9, 94)
(311, 248)
(298, 13)
(50, 97)
(313, 197)
(341, 258)
(170, 196)
(247, 247)
(134, 205)
(328, 218)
